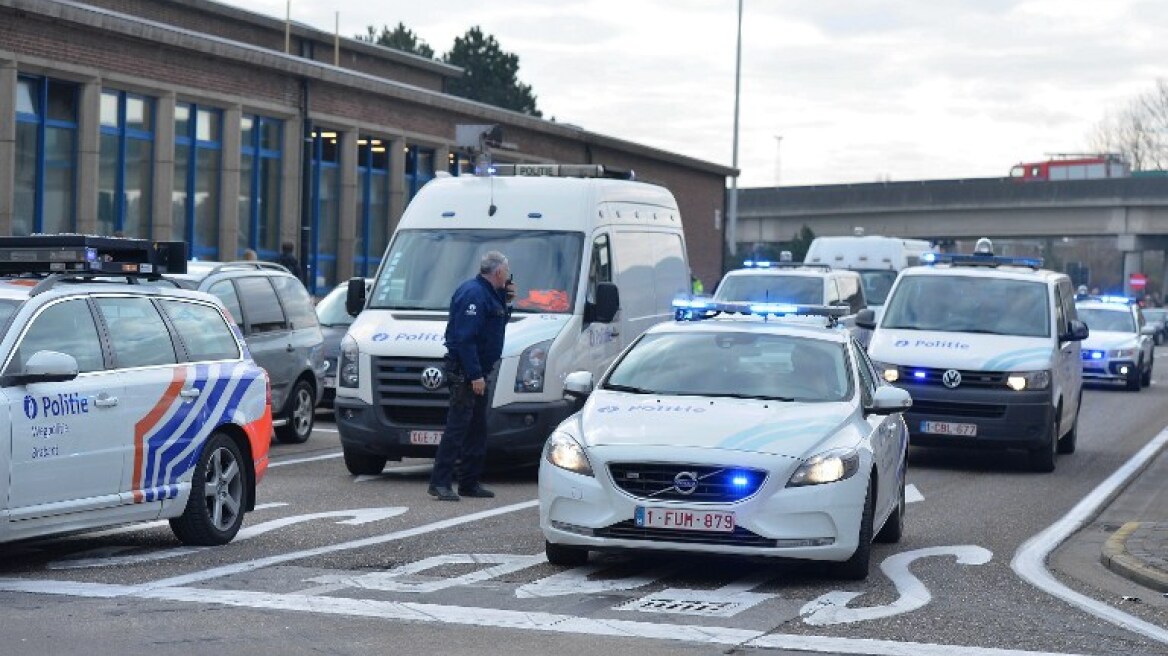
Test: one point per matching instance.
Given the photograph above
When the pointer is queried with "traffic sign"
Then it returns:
(1137, 281)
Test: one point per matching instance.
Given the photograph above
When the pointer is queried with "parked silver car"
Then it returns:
(334, 323)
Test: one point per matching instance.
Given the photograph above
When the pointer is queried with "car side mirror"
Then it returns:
(606, 304)
(577, 386)
(1148, 330)
(44, 367)
(355, 296)
(1077, 333)
(866, 318)
(889, 400)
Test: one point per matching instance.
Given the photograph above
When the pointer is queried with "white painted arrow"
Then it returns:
(103, 557)
(832, 608)
(912, 494)
(575, 581)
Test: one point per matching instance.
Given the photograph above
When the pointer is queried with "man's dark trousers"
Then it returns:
(465, 439)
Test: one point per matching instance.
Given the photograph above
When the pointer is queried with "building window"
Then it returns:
(198, 143)
(372, 205)
(259, 186)
(127, 156)
(419, 169)
(44, 198)
(326, 210)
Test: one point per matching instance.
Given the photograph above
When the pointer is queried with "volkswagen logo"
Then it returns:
(685, 482)
(432, 378)
(951, 378)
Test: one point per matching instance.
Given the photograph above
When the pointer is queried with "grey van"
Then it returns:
(279, 324)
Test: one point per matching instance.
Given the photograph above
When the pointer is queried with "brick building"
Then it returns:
(187, 119)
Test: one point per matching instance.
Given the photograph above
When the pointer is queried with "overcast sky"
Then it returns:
(858, 90)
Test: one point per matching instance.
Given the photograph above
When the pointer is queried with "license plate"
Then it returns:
(425, 438)
(948, 428)
(330, 381)
(716, 521)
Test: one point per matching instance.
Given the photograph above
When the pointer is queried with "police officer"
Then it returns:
(474, 343)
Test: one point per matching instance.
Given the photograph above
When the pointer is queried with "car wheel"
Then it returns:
(562, 554)
(1042, 459)
(1070, 441)
(1146, 379)
(362, 463)
(1133, 378)
(214, 511)
(301, 415)
(893, 526)
(856, 567)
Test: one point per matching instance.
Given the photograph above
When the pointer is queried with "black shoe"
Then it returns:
(477, 491)
(444, 493)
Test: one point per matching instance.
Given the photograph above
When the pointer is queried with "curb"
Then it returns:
(1116, 558)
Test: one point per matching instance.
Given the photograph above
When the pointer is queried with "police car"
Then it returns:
(1119, 349)
(758, 436)
(122, 398)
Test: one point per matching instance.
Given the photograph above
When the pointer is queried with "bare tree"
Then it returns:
(1139, 131)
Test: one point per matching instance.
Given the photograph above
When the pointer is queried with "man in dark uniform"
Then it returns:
(474, 343)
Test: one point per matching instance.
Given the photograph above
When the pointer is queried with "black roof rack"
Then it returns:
(248, 264)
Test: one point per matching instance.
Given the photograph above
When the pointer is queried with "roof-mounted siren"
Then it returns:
(477, 141)
(984, 247)
(92, 255)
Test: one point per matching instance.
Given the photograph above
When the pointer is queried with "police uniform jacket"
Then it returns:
(476, 326)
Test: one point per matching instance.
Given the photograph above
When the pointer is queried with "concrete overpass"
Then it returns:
(1132, 210)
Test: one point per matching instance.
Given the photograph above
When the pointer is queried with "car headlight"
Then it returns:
(566, 453)
(1023, 380)
(349, 364)
(889, 372)
(1122, 353)
(827, 467)
(532, 364)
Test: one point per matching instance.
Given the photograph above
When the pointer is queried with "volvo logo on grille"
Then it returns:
(432, 378)
(951, 378)
(685, 482)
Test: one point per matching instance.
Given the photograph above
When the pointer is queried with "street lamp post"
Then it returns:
(778, 155)
(732, 204)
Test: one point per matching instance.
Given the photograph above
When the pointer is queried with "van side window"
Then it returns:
(225, 291)
(1060, 311)
(296, 301)
(601, 268)
(137, 333)
(201, 330)
(832, 293)
(867, 379)
(264, 314)
(849, 287)
(66, 327)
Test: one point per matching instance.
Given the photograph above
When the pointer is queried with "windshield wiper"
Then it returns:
(627, 388)
(755, 397)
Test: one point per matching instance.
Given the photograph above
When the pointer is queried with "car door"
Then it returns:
(68, 438)
(601, 340)
(1068, 370)
(885, 433)
(267, 334)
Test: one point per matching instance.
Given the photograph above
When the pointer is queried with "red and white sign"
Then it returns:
(1137, 281)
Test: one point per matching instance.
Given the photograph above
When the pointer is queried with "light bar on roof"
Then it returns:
(696, 308)
(966, 259)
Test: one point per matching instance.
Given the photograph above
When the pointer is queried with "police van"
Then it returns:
(989, 349)
(122, 398)
(877, 259)
(596, 260)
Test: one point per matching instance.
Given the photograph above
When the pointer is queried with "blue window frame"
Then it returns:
(372, 205)
(419, 168)
(261, 152)
(46, 156)
(198, 144)
(322, 256)
(125, 181)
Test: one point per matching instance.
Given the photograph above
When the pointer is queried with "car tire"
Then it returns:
(1133, 378)
(564, 555)
(1042, 459)
(1146, 378)
(214, 510)
(301, 414)
(1070, 441)
(362, 463)
(856, 567)
(893, 527)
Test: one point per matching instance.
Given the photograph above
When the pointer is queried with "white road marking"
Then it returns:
(511, 619)
(1030, 560)
(912, 494)
(132, 528)
(325, 429)
(726, 601)
(832, 608)
(392, 580)
(576, 581)
(297, 461)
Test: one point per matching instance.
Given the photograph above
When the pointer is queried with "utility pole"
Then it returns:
(732, 204)
(778, 161)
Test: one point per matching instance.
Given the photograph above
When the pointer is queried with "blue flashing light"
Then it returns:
(1096, 355)
(740, 481)
(691, 303)
(928, 258)
(980, 259)
(920, 375)
(1124, 300)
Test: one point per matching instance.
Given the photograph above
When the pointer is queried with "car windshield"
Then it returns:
(423, 267)
(877, 285)
(969, 304)
(802, 290)
(734, 364)
(1108, 320)
(330, 311)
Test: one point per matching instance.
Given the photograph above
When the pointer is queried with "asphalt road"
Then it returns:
(337, 564)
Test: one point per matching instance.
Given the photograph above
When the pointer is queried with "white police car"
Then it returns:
(122, 401)
(750, 437)
(1119, 349)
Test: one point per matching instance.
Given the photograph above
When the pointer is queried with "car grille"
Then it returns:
(951, 409)
(714, 484)
(932, 376)
(628, 530)
(397, 387)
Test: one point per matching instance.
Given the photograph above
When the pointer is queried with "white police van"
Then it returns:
(766, 436)
(989, 349)
(877, 259)
(596, 260)
(122, 401)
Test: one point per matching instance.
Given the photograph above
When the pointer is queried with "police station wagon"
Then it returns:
(741, 437)
(122, 401)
